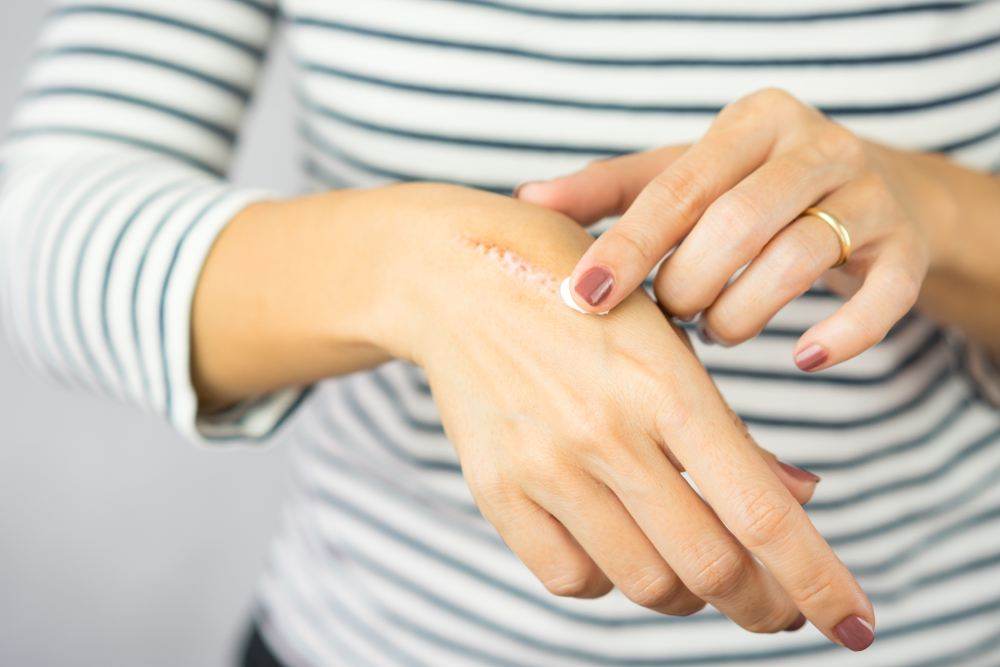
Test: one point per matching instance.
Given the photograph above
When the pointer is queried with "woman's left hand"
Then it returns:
(737, 196)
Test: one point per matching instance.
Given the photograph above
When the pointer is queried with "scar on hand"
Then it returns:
(513, 265)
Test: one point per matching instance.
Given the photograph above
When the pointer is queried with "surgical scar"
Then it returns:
(513, 265)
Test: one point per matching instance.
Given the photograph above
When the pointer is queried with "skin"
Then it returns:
(571, 430)
(924, 231)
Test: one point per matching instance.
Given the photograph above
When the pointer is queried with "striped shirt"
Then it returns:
(113, 191)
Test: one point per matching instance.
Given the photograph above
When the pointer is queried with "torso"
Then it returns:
(384, 558)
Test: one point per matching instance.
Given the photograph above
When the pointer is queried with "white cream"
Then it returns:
(568, 299)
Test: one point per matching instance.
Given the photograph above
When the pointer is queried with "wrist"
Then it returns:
(295, 291)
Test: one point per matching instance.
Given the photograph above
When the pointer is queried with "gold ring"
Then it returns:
(838, 228)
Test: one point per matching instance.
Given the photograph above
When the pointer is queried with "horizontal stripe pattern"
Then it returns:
(112, 193)
(112, 190)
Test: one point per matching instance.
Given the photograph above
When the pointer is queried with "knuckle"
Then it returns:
(774, 98)
(597, 441)
(768, 619)
(591, 423)
(654, 588)
(637, 241)
(576, 583)
(685, 605)
(719, 576)
(674, 411)
(762, 518)
(763, 102)
(680, 190)
(872, 187)
(819, 590)
(838, 145)
(490, 488)
(796, 258)
(733, 329)
(679, 302)
(735, 219)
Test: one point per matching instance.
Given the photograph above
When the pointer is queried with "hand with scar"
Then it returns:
(572, 430)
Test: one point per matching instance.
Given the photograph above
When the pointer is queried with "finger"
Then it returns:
(609, 534)
(547, 549)
(799, 482)
(755, 505)
(738, 225)
(785, 269)
(666, 210)
(708, 559)
(602, 188)
(890, 290)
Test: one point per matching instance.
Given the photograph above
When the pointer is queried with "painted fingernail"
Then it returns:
(811, 357)
(796, 624)
(519, 188)
(595, 285)
(855, 633)
(800, 474)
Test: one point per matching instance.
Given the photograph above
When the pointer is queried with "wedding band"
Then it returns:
(838, 228)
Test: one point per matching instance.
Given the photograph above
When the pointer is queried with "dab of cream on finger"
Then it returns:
(568, 299)
(513, 265)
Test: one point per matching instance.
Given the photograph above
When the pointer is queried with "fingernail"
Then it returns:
(855, 633)
(595, 285)
(703, 335)
(519, 188)
(796, 624)
(800, 474)
(811, 357)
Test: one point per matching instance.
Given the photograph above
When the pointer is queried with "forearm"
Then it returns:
(300, 290)
(961, 210)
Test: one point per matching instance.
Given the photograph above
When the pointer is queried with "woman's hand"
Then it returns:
(736, 197)
(572, 430)
(566, 426)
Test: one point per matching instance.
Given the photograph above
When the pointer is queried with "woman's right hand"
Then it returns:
(572, 429)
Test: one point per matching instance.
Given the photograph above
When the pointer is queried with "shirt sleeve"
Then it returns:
(112, 192)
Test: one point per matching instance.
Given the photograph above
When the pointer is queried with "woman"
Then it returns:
(132, 268)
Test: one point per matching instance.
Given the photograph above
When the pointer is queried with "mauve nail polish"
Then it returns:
(796, 624)
(811, 357)
(855, 633)
(799, 473)
(595, 285)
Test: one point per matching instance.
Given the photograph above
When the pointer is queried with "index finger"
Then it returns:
(760, 512)
(669, 207)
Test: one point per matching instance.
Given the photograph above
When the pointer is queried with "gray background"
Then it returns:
(120, 544)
